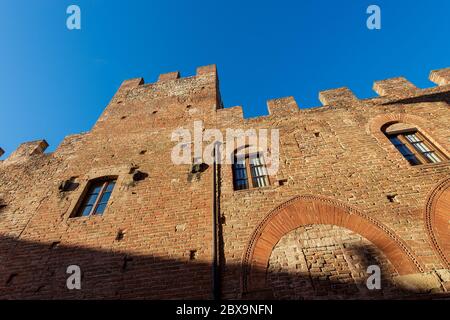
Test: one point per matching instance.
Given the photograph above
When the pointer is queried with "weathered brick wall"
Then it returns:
(336, 152)
(164, 217)
(323, 261)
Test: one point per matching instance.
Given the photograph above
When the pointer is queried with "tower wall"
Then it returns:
(155, 239)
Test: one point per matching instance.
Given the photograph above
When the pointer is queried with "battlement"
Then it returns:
(389, 91)
(440, 77)
(399, 87)
(394, 88)
(340, 96)
(282, 106)
(27, 150)
(169, 76)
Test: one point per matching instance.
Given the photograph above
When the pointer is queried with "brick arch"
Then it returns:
(376, 124)
(437, 219)
(379, 121)
(246, 148)
(306, 210)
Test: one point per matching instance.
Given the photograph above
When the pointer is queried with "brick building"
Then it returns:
(360, 183)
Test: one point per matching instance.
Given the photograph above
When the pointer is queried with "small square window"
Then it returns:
(97, 197)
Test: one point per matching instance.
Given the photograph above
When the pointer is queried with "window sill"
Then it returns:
(267, 188)
(84, 218)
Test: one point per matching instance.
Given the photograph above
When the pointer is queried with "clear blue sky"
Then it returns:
(55, 82)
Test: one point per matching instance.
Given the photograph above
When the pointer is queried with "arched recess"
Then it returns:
(423, 126)
(307, 210)
(437, 219)
(379, 121)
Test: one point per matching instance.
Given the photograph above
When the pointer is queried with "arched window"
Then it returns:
(96, 197)
(412, 144)
(249, 171)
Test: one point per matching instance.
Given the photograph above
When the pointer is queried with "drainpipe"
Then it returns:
(215, 221)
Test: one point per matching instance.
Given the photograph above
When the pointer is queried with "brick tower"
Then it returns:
(360, 183)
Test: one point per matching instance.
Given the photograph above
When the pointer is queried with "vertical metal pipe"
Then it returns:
(215, 220)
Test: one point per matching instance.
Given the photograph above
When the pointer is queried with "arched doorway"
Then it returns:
(437, 218)
(312, 210)
(326, 262)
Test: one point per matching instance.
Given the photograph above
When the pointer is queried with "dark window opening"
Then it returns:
(250, 171)
(414, 146)
(404, 150)
(96, 198)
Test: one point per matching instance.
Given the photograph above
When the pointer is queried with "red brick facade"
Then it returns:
(343, 198)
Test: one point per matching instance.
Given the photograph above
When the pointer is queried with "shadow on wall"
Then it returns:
(434, 97)
(31, 270)
(325, 261)
(328, 276)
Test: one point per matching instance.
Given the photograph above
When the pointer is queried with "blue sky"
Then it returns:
(55, 82)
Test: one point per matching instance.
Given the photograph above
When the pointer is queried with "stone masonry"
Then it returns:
(343, 198)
